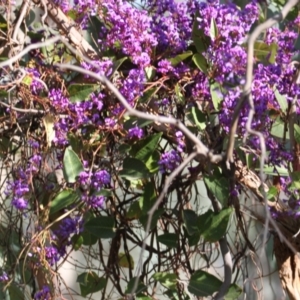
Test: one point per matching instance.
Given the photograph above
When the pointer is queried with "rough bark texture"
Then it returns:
(289, 268)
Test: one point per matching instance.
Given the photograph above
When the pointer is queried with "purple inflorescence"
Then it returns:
(43, 294)
(169, 161)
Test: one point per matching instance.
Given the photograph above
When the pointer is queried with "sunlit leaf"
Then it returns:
(63, 200)
(168, 280)
(125, 261)
(49, 121)
(213, 29)
(201, 62)
(234, 292)
(198, 118)
(81, 92)
(282, 101)
(72, 165)
(216, 96)
(150, 73)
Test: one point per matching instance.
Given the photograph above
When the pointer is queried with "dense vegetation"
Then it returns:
(117, 119)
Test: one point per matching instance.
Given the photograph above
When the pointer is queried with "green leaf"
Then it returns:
(234, 292)
(88, 239)
(201, 41)
(203, 284)
(297, 133)
(295, 179)
(81, 91)
(77, 241)
(219, 187)
(152, 162)
(15, 292)
(27, 80)
(117, 65)
(178, 93)
(149, 197)
(201, 62)
(90, 283)
(274, 170)
(72, 165)
(168, 280)
(134, 211)
(278, 129)
(213, 29)
(197, 117)
(63, 200)
(147, 146)
(101, 227)
(168, 239)
(134, 169)
(282, 101)
(144, 218)
(124, 262)
(272, 193)
(264, 52)
(190, 220)
(180, 57)
(212, 225)
(149, 94)
(150, 73)
(140, 288)
(216, 97)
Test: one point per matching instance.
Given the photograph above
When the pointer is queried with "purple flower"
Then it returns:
(19, 203)
(100, 178)
(165, 66)
(68, 227)
(4, 277)
(52, 255)
(43, 294)
(169, 161)
(135, 132)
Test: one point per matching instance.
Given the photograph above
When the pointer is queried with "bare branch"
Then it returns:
(249, 72)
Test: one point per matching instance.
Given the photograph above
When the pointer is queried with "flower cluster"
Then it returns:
(134, 40)
(169, 161)
(92, 184)
(4, 277)
(43, 294)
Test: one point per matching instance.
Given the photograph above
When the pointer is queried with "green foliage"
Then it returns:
(63, 200)
(203, 284)
(81, 92)
(134, 168)
(102, 227)
(213, 226)
(168, 239)
(181, 57)
(72, 165)
(90, 283)
(218, 185)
